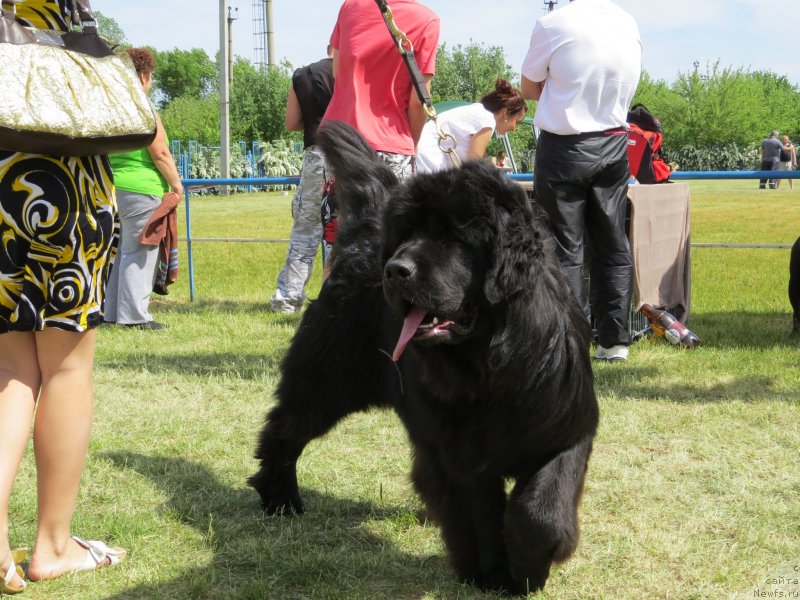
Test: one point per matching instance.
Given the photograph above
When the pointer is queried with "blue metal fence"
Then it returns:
(247, 181)
(188, 184)
(184, 157)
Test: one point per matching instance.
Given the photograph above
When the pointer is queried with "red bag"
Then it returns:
(644, 155)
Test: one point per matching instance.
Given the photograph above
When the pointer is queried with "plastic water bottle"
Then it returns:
(668, 327)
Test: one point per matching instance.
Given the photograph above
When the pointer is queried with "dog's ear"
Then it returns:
(517, 250)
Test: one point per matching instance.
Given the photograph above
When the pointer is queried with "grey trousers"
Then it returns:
(132, 274)
(305, 237)
(581, 181)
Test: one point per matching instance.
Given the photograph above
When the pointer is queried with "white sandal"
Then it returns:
(99, 554)
(17, 556)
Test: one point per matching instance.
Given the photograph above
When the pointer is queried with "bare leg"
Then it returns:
(61, 439)
(19, 386)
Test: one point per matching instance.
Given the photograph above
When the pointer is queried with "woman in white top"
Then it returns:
(471, 126)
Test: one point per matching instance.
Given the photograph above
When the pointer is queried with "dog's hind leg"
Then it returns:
(469, 512)
(541, 524)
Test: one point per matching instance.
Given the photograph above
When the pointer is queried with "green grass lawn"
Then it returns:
(693, 489)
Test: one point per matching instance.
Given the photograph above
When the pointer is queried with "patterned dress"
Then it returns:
(58, 224)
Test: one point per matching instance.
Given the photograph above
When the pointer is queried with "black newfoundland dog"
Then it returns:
(446, 303)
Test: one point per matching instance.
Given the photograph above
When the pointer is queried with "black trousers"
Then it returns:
(581, 181)
(768, 165)
(794, 284)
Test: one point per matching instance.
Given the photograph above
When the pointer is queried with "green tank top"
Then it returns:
(136, 172)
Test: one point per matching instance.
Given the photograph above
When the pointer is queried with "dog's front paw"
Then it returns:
(527, 585)
(498, 581)
(501, 581)
(283, 505)
(277, 496)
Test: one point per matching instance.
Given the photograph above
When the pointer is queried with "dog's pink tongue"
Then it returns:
(410, 324)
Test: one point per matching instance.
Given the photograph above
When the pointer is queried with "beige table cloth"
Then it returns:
(660, 242)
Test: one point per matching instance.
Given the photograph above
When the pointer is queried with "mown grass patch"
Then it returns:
(691, 493)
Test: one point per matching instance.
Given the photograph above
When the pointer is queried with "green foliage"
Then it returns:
(258, 101)
(781, 104)
(716, 157)
(468, 72)
(257, 107)
(204, 163)
(240, 165)
(279, 159)
(109, 29)
(185, 73)
(187, 118)
(727, 106)
(715, 118)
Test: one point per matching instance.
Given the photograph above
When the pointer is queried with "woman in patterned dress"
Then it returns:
(58, 235)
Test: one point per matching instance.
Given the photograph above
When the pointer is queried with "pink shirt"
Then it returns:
(372, 87)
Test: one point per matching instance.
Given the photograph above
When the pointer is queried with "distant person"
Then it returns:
(373, 91)
(500, 161)
(142, 178)
(771, 149)
(309, 95)
(58, 225)
(583, 66)
(794, 286)
(472, 127)
(788, 160)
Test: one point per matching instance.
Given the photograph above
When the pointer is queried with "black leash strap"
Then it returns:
(447, 143)
(406, 49)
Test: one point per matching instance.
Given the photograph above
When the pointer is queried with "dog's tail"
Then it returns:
(362, 179)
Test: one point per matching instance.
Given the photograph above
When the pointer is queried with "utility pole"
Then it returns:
(233, 14)
(270, 35)
(224, 97)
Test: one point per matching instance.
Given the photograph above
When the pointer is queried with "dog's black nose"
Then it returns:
(399, 269)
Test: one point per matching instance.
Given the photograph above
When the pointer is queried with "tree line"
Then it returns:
(711, 119)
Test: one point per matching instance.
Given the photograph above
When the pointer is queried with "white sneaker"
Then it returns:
(615, 353)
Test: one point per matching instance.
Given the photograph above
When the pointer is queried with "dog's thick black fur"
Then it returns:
(499, 386)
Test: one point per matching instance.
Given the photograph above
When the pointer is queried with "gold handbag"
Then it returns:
(69, 94)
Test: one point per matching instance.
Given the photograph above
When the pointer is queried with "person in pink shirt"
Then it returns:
(373, 90)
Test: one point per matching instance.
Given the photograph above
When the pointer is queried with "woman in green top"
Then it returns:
(141, 178)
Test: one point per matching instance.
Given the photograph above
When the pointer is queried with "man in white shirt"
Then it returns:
(583, 66)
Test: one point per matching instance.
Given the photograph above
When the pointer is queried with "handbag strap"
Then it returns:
(82, 36)
(10, 30)
(9, 13)
(83, 10)
(82, 14)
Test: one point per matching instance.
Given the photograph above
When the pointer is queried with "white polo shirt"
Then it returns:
(589, 54)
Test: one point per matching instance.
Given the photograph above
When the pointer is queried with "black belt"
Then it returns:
(588, 134)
